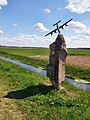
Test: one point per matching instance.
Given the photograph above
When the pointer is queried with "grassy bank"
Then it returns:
(71, 70)
(27, 97)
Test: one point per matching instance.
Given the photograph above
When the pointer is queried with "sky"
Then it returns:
(24, 23)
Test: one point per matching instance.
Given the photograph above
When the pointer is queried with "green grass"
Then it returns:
(71, 70)
(35, 100)
(26, 51)
(31, 61)
(40, 51)
(78, 72)
(78, 52)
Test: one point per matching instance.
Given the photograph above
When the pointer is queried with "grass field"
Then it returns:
(26, 51)
(41, 51)
(28, 96)
(71, 70)
(78, 52)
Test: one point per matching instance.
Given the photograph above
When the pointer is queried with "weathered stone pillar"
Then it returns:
(57, 60)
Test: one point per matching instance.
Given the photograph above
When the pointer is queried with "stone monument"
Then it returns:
(57, 60)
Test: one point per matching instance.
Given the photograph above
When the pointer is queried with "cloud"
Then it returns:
(77, 41)
(1, 31)
(3, 3)
(79, 38)
(82, 34)
(47, 10)
(78, 6)
(14, 24)
(79, 28)
(33, 40)
(27, 40)
(40, 27)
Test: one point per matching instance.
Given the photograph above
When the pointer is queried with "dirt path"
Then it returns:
(83, 61)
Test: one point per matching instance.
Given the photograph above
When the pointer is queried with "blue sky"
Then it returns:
(25, 22)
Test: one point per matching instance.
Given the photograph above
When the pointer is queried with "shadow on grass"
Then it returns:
(30, 91)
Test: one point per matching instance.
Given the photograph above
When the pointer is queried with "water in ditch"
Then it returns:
(84, 86)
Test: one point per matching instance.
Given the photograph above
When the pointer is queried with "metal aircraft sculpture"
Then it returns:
(58, 27)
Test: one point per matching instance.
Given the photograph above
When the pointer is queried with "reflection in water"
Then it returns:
(84, 86)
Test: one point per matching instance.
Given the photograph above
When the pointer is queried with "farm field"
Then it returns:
(41, 51)
(75, 68)
(79, 57)
(25, 95)
(82, 61)
(26, 51)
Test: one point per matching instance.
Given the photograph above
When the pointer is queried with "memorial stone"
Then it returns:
(57, 60)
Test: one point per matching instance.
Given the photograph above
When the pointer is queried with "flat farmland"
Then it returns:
(25, 95)
(42, 51)
(26, 51)
(82, 61)
(79, 57)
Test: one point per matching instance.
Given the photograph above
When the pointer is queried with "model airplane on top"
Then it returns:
(58, 27)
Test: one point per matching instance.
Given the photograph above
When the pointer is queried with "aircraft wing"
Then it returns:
(51, 32)
(65, 24)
